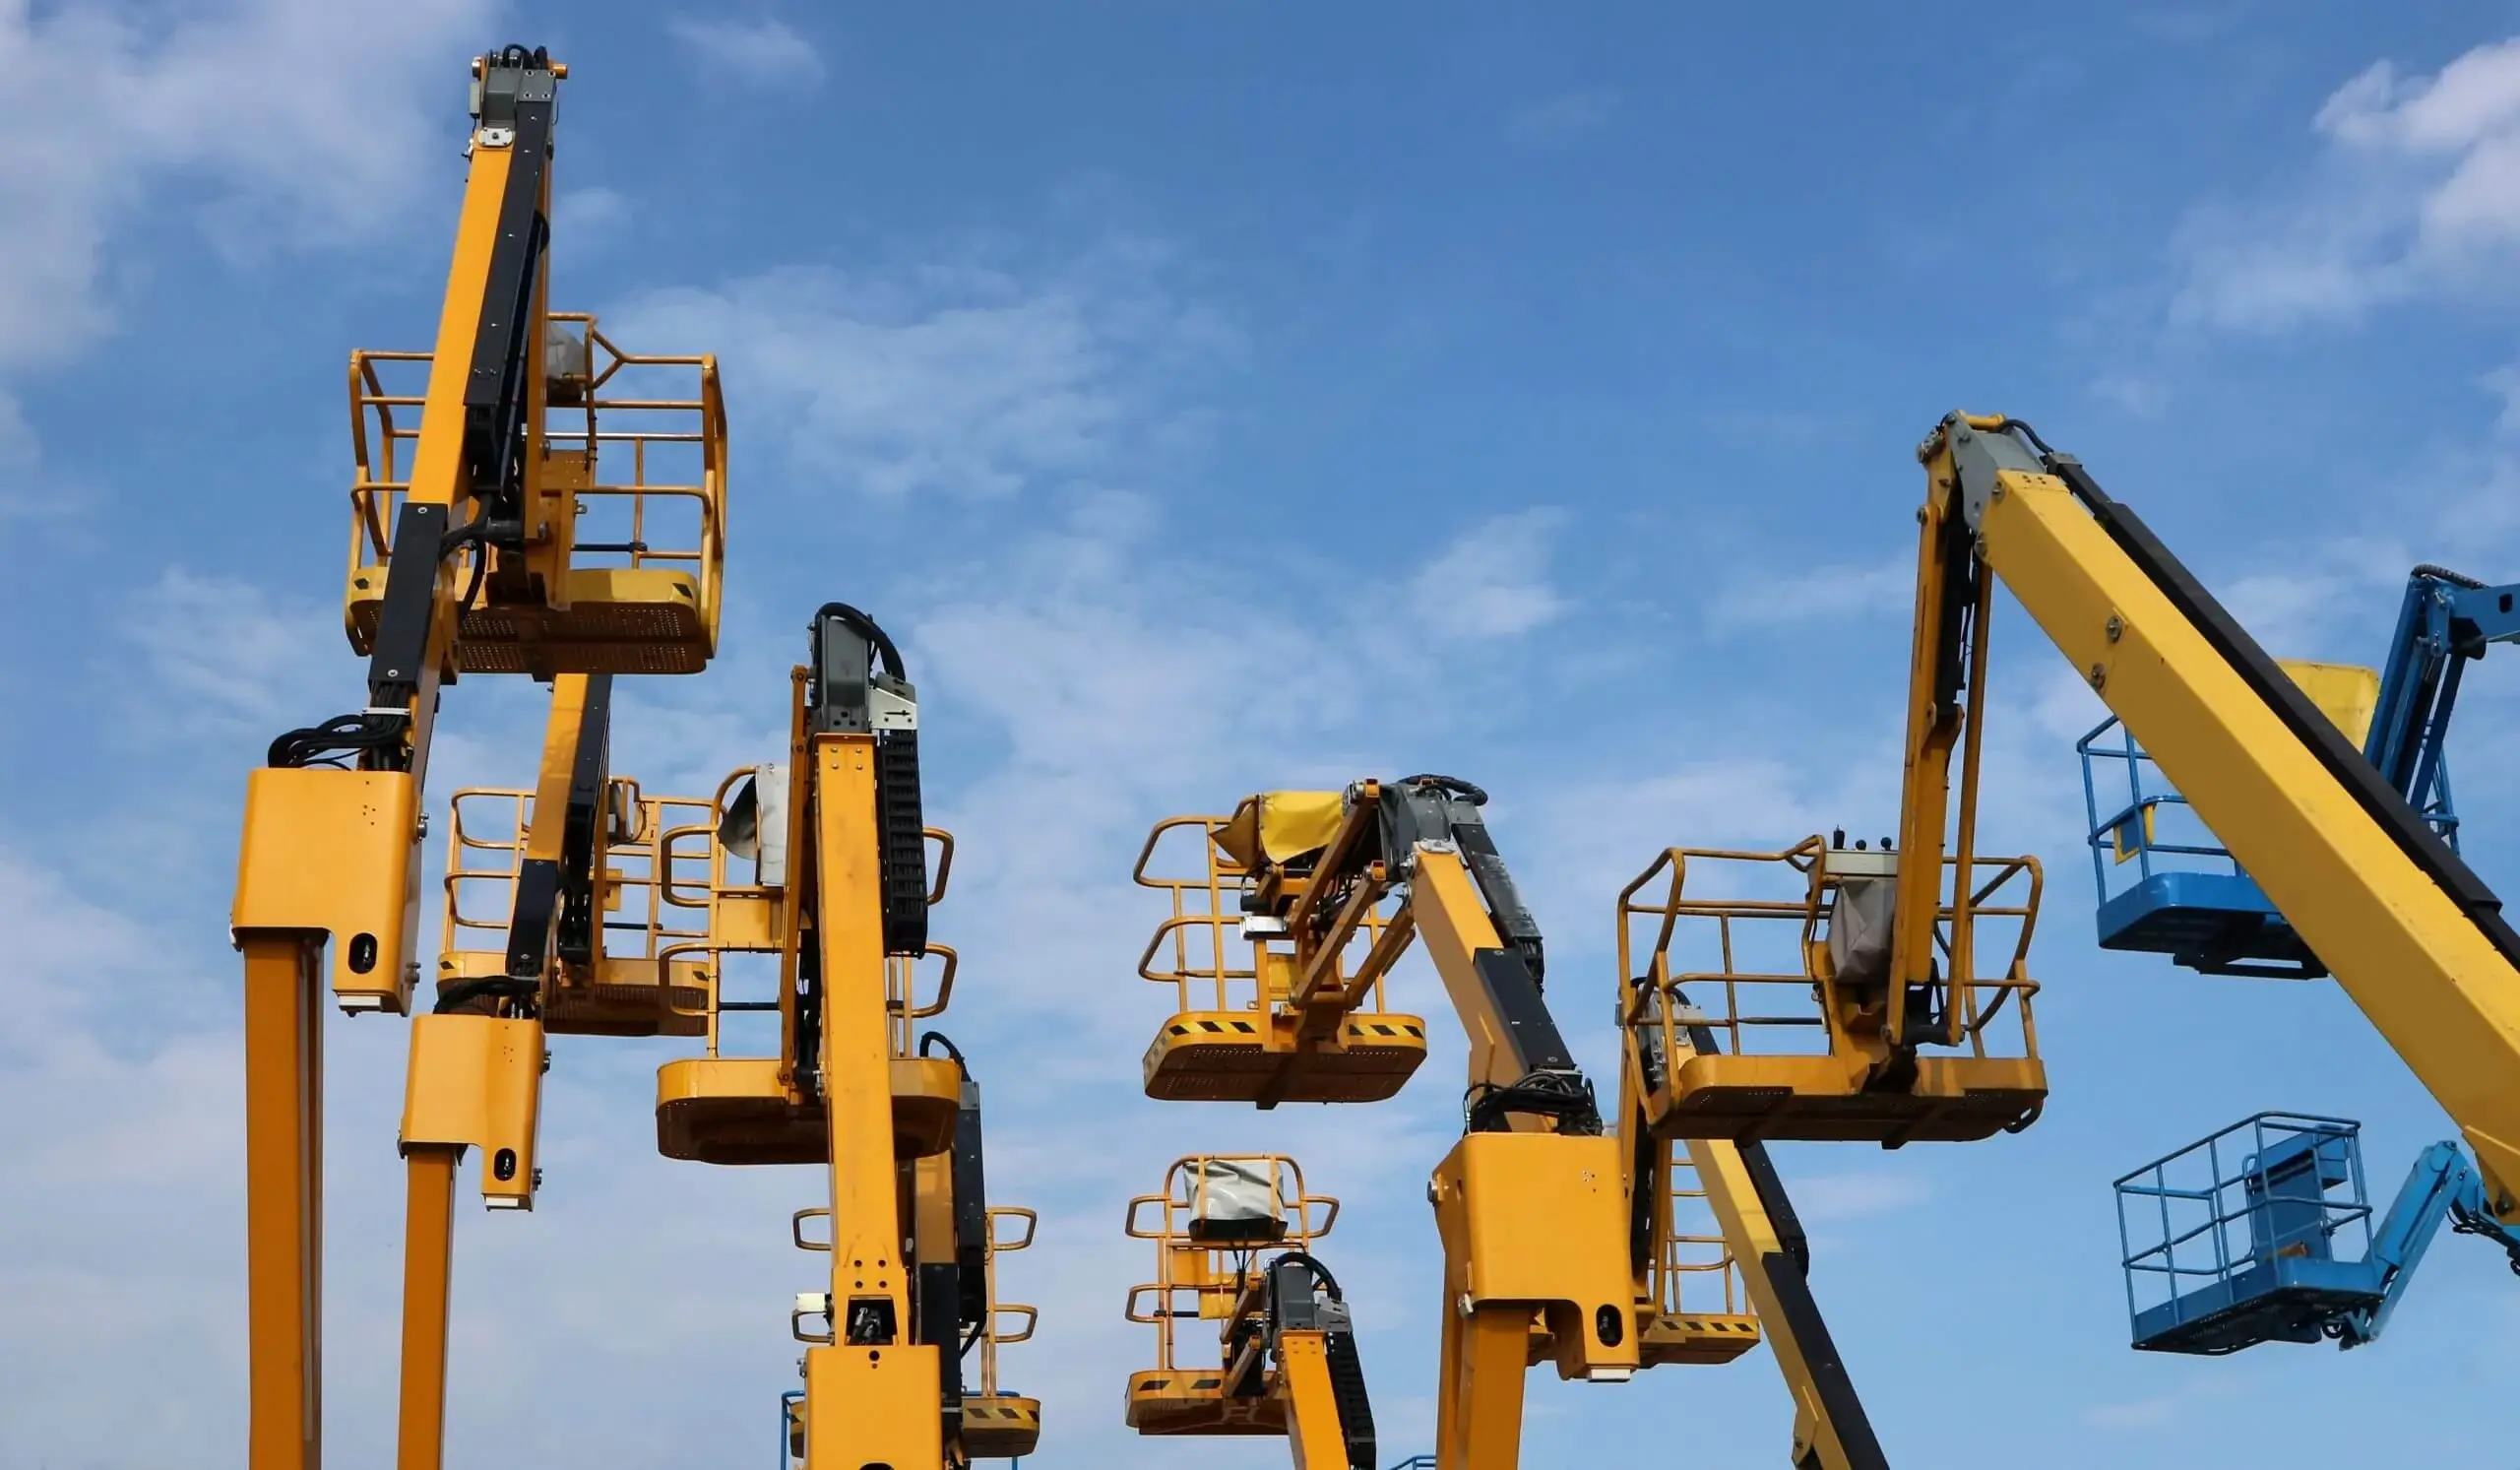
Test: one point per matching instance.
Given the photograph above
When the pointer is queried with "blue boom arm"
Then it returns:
(2441, 1187)
(2445, 620)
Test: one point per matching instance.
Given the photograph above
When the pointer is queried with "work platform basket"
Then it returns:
(2165, 883)
(2255, 1234)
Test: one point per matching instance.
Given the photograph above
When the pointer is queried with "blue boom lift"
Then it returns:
(2242, 1238)
(2185, 896)
(2262, 1231)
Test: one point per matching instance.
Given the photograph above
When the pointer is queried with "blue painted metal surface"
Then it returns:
(1416, 1463)
(2444, 622)
(2166, 884)
(2264, 1233)
(785, 1400)
(2178, 892)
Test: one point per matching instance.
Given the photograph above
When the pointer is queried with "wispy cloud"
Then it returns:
(2414, 191)
(1883, 589)
(276, 660)
(1561, 120)
(1492, 581)
(1833, 1197)
(960, 379)
(156, 106)
(765, 49)
(589, 216)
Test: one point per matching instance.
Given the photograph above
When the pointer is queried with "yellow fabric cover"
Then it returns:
(1273, 827)
(2347, 693)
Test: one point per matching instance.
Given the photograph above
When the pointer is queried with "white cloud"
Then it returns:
(766, 49)
(1561, 120)
(275, 662)
(1831, 1197)
(1886, 589)
(2416, 191)
(952, 378)
(1492, 581)
(587, 218)
(2333, 601)
(245, 102)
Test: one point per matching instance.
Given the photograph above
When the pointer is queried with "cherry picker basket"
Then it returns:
(1214, 1217)
(1756, 1004)
(625, 511)
(722, 1108)
(2234, 1239)
(1232, 1037)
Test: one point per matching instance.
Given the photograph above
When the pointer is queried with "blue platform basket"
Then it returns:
(2256, 1233)
(2166, 884)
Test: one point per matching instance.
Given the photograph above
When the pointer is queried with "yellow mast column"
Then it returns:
(871, 1397)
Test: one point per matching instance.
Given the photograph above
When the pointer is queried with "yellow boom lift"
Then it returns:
(467, 557)
(837, 900)
(1562, 1242)
(1287, 1354)
(2411, 936)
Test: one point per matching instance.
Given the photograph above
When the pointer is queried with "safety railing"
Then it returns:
(2271, 1187)
(1740, 942)
(994, 1333)
(2136, 816)
(1693, 1266)
(488, 831)
(744, 917)
(655, 456)
(1212, 1217)
(1212, 955)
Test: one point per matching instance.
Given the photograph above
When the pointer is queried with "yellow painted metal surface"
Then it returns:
(428, 1265)
(1000, 1426)
(1270, 1009)
(871, 1406)
(1539, 1222)
(2348, 694)
(1453, 924)
(1754, 1240)
(733, 1110)
(1313, 1429)
(1743, 942)
(284, 1006)
(1233, 1057)
(337, 853)
(478, 1081)
(2427, 978)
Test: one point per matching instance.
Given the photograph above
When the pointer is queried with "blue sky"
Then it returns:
(1213, 398)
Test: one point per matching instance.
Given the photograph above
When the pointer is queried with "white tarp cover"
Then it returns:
(1860, 930)
(1236, 1196)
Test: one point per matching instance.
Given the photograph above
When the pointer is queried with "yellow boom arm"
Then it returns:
(2409, 932)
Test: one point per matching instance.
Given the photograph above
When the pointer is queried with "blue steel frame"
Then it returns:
(2242, 1242)
(2200, 907)
(2128, 826)
(791, 1396)
(2444, 622)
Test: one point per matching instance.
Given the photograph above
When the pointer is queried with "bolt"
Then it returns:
(2099, 677)
(2116, 627)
